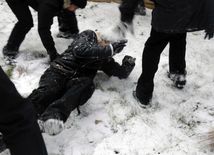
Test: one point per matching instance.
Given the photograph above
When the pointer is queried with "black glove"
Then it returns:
(128, 64)
(209, 33)
(53, 54)
(128, 60)
(118, 46)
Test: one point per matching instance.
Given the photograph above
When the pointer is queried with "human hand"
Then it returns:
(118, 46)
(209, 33)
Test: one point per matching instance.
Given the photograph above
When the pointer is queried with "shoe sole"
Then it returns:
(53, 127)
(140, 104)
(178, 84)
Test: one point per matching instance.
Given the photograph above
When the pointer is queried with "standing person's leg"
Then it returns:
(177, 62)
(68, 25)
(177, 52)
(18, 124)
(21, 28)
(150, 60)
(77, 92)
(140, 10)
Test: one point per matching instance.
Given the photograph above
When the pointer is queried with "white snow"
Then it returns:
(112, 122)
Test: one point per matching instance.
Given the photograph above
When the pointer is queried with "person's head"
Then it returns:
(73, 5)
(100, 41)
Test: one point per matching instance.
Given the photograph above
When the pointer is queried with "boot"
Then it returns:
(178, 79)
(10, 56)
(67, 35)
(140, 10)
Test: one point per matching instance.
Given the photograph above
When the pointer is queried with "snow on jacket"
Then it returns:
(84, 58)
(175, 16)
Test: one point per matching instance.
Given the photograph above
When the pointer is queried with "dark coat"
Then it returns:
(182, 15)
(175, 16)
(84, 58)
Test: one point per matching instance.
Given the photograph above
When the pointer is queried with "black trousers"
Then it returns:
(68, 22)
(25, 22)
(58, 95)
(151, 57)
(18, 123)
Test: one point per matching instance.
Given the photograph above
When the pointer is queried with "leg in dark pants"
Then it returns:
(51, 87)
(68, 26)
(77, 92)
(150, 60)
(17, 121)
(177, 52)
(151, 57)
(24, 24)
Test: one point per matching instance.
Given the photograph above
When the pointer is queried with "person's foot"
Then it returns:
(53, 126)
(140, 10)
(9, 56)
(2, 144)
(67, 35)
(146, 103)
(178, 79)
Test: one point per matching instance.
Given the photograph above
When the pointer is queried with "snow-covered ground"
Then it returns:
(112, 122)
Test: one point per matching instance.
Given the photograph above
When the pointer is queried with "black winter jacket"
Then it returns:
(84, 58)
(175, 16)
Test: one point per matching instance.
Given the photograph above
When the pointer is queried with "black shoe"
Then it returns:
(140, 10)
(9, 56)
(67, 35)
(143, 104)
(2, 144)
(178, 79)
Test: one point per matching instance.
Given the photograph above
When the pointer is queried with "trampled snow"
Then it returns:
(112, 122)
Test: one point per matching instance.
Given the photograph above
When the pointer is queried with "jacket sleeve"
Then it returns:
(92, 52)
(112, 68)
(127, 9)
(46, 12)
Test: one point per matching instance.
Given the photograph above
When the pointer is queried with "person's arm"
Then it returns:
(113, 68)
(96, 52)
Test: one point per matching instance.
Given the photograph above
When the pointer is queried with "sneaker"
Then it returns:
(178, 79)
(9, 56)
(143, 104)
(53, 126)
(67, 35)
(140, 10)
(2, 144)
(41, 125)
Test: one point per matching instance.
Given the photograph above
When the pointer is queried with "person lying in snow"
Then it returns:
(68, 82)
